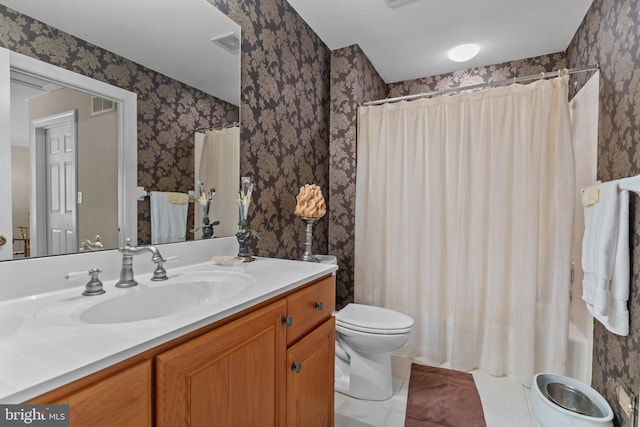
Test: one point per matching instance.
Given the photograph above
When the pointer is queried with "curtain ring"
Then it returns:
(565, 72)
(542, 75)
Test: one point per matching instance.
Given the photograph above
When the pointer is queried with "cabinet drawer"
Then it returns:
(310, 306)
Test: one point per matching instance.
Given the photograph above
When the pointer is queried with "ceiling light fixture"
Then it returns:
(463, 52)
(229, 42)
(397, 3)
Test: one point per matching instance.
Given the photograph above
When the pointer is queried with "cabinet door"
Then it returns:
(310, 378)
(231, 376)
(123, 400)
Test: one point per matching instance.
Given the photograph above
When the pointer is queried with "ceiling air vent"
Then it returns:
(397, 3)
(229, 42)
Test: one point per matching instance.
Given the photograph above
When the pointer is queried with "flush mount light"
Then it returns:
(463, 52)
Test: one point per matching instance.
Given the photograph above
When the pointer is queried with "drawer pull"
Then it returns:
(287, 320)
(318, 305)
(296, 367)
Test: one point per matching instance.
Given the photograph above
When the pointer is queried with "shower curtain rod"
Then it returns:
(218, 127)
(564, 71)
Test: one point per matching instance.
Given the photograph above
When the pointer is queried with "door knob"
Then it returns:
(3, 240)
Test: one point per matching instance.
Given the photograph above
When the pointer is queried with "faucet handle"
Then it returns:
(160, 273)
(75, 275)
(94, 285)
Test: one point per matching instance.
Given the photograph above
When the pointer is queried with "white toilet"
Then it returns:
(365, 337)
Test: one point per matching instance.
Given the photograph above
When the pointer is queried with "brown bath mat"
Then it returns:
(441, 397)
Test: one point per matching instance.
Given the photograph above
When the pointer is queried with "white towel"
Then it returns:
(605, 258)
(168, 220)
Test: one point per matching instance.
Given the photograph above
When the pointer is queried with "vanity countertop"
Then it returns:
(44, 345)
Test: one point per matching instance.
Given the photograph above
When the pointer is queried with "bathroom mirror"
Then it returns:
(218, 74)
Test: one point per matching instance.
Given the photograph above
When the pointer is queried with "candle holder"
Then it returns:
(243, 235)
(207, 229)
(307, 255)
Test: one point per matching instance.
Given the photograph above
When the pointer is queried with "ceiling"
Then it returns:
(412, 39)
(172, 37)
(406, 42)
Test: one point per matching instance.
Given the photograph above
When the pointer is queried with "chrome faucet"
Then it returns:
(126, 274)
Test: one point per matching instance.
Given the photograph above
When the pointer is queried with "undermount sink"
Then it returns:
(191, 291)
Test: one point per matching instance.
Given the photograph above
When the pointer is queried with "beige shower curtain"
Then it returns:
(464, 213)
(219, 167)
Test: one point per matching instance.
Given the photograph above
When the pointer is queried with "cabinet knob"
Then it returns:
(287, 320)
(296, 367)
(318, 305)
(3, 240)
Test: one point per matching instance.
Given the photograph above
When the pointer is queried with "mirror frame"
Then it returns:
(127, 128)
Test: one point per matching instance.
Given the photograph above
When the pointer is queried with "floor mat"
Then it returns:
(441, 397)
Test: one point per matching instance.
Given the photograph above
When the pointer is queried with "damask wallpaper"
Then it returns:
(507, 70)
(353, 80)
(168, 111)
(610, 36)
(285, 121)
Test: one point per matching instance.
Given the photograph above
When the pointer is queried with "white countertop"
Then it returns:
(44, 345)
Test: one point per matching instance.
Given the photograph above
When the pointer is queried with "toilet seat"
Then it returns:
(373, 320)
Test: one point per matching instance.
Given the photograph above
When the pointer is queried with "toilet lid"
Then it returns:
(368, 318)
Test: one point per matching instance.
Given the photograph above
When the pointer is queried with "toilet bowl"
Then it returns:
(365, 337)
(558, 401)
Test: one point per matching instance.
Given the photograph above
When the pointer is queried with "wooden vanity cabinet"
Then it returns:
(269, 366)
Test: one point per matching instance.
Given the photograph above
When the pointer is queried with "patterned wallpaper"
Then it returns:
(507, 70)
(353, 79)
(610, 36)
(168, 111)
(285, 120)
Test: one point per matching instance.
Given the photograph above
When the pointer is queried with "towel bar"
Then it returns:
(630, 184)
(142, 193)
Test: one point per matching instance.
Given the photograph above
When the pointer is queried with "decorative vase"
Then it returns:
(243, 235)
(207, 232)
(307, 255)
(207, 228)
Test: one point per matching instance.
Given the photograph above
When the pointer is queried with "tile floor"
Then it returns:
(504, 400)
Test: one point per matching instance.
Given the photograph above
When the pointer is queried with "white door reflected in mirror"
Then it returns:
(43, 170)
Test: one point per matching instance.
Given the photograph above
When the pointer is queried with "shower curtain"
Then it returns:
(219, 167)
(464, 210)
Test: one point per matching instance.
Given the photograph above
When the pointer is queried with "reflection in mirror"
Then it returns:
(217, 168)
(64, 189)
(172, 103)
(72, 158)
